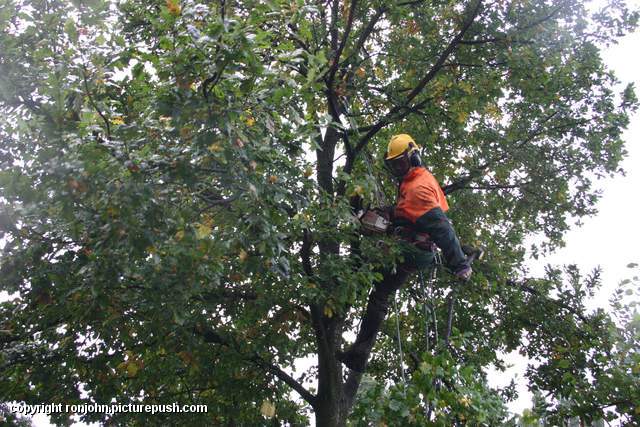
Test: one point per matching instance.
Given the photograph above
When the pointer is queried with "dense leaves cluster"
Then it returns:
(178, 181)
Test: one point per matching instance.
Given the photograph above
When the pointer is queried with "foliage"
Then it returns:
(7, 417)
(168, 235)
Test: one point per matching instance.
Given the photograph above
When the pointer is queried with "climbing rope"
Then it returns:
(395, 307)
(429, 311)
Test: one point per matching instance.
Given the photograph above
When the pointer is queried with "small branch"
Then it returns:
(218, 202)
(92, 101)
(343, 42)
(368, 30)
(287, 379)
(211, 336)
(515, 31)
(529, 289)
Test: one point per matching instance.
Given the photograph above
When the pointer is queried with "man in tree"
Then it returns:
(422, 204)
(420, 209)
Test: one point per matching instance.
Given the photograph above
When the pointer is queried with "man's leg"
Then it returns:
(436, 223)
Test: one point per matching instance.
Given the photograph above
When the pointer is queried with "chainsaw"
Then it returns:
(374, 221)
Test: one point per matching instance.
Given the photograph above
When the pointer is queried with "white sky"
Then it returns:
(609, 239)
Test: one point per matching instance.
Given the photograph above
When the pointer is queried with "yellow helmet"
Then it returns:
(402, 155)
(399, 144)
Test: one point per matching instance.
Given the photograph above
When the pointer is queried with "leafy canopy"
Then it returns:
(178, 185)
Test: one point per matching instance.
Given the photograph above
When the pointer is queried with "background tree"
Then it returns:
(169, 235)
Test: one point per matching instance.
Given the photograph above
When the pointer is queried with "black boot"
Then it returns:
(472, 253)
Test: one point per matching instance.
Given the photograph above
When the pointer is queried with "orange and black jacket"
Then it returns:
(421, 205)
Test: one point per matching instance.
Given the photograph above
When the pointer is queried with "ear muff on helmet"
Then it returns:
(415, 158)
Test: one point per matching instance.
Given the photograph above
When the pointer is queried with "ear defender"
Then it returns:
(414, 157)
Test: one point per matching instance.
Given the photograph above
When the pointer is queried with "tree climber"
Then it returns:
(421, 205)
(419, 213)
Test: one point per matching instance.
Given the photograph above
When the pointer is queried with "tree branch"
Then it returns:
(213, 337)
(523, 285)
(287, 379)
(85, 74)
(376, 311)
(514, 32)
(423, 82)
(338, 52)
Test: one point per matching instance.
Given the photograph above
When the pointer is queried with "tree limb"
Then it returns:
(523, 285)
(338, 51)
(376, 311)
(213, 337)
(423, 82)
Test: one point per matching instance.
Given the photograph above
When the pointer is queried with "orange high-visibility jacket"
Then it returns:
(419, 193)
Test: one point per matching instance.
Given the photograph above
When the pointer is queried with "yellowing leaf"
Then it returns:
(250, 121)
(466, 87)
(216, 147)
(357, 191)
(186, 357)
(117, 120)
(132, 369)
(327, 311)
(179, 235)
(345, 8)
(465, 401)
(174, 7)
(242, 255)
(268, 409)
(112, 211)
(360, 72)
(202, 231)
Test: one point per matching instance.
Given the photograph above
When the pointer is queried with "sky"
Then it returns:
(609, 239)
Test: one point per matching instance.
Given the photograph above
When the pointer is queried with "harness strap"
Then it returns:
(420, 240)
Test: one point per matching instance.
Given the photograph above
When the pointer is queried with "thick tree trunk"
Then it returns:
(335, 396)
(330, 407)
(331, 410)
